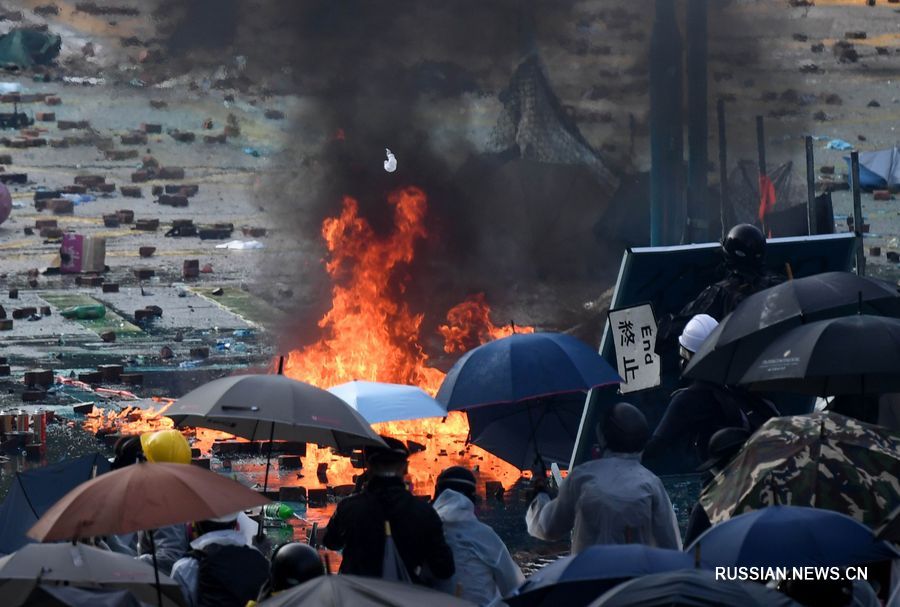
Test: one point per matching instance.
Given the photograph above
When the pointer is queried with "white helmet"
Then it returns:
(696, 331)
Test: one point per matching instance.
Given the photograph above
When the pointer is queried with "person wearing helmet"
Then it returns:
(166, 446)
(681, 439)
(173, 542)
(485, 572)
(358, 525)
(743, 254)
(293, 563)
(724, 445)
(610, 500)
(220, 570)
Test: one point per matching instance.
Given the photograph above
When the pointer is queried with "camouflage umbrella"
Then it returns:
(823, 460)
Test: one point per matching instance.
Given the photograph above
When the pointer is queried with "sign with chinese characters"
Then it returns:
(634, 337)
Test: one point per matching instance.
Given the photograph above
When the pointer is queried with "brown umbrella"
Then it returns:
(142, 496)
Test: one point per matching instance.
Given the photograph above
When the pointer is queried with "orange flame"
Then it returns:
(367, 334)
(469, 325)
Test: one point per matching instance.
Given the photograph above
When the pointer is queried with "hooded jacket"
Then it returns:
(611, 500)
(485, 572)
(357, 528)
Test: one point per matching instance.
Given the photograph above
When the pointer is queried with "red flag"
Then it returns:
(766, 197)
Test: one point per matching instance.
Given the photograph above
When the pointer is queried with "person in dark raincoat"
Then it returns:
(723, 446)
(744, 254)
(358, 525)
(696, 412)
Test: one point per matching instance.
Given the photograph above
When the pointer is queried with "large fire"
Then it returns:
(369, 333)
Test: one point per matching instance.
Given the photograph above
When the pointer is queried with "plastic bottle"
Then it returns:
(88, 312)
(278, 510)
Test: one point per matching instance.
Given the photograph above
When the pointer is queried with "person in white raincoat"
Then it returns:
(611, 500)
(485, 572)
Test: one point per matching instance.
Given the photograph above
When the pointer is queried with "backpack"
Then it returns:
(753, 408)
(228, 575)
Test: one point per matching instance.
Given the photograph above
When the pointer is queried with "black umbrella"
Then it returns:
(691, 588)
(579, 579)
(740, 337)
(850, 355)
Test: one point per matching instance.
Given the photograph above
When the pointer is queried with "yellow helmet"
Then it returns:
(166, 446)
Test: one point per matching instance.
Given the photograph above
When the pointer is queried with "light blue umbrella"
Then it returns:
(379, 402)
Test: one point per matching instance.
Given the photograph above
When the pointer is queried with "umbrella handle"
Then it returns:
(155, 569)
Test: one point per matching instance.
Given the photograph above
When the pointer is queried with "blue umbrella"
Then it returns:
(529, 432)
(791, 536)
(522, 367)
(579, 579)
(380, 402)
(33, 492)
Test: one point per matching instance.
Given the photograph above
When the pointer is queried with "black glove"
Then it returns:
(539, 484)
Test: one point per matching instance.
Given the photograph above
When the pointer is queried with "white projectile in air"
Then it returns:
(390, 165)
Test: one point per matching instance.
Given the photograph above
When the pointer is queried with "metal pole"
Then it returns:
(761, 155)
(810, 187)
(761, 144)
(723, 168)
(666, 137)
(698, 224)
(857, 214)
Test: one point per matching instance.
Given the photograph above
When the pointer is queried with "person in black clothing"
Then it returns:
(744, 253)
(694, 413)
(357, 526)
(723, 447)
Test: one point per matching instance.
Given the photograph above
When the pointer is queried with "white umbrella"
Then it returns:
(380, 402)
(80, 565)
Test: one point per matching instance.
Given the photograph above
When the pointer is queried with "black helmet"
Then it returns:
(744, 247)
(724, 444)
(625, 429)
(294, 563)
(395, 452)
(457, 478)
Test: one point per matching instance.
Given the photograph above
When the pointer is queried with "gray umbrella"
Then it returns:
(277, 408)
(80, 565)
(70, 596)
(337, 590)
